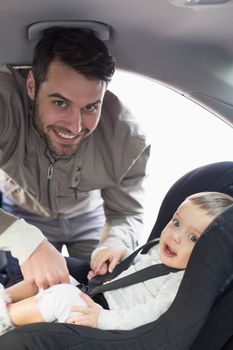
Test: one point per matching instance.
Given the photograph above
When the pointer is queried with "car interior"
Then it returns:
(187, 46)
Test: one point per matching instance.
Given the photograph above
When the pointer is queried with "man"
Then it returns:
(73, 159)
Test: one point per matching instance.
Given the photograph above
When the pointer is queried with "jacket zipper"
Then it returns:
(50, 172)
(49, 178)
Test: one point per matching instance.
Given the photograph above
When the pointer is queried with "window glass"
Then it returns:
(183, 135)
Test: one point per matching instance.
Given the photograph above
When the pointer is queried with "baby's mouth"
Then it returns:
(168, 251)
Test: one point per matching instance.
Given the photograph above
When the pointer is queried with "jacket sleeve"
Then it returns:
(123, 206)
(140, 314)
(18, 237)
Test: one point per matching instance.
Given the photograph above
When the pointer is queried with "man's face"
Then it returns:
(181, 233)
(67, 107)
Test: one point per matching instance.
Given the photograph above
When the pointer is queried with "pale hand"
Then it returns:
(88, 315)
(104, 259)
(45, 267)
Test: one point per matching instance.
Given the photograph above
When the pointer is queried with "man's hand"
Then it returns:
(104, 259)
(45, 267)
(88, 315)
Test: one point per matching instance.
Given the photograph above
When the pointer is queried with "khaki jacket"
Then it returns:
(108, 168)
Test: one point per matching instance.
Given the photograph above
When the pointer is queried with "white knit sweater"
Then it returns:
(141, 303)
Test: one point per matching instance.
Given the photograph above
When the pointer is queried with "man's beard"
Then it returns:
(59, 149)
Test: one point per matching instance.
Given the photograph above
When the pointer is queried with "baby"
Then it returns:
(131, 306)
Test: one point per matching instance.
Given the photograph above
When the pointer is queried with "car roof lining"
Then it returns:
(191, 51)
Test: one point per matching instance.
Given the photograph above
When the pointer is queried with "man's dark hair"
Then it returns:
(79, 49)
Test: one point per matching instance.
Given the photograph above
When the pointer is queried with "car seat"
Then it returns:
(199, 318)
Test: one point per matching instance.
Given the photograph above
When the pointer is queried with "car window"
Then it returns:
(183, 135)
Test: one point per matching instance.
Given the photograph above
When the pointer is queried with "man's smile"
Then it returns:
(67, 136)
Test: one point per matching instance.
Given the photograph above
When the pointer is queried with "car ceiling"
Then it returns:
(186, 47)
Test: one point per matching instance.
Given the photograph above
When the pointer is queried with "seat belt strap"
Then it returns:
(97, 286)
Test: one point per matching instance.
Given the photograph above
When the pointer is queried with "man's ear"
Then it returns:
(30, 85)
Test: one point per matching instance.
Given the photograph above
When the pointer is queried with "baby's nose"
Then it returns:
(177, 238)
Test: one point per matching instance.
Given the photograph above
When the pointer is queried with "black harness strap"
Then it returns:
(97, 286)
(136, 277)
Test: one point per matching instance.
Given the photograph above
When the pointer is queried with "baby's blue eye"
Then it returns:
(193, 238)
(175, 222)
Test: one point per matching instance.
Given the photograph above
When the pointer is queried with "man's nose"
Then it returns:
(74, 122)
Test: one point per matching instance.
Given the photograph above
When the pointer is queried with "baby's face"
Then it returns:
(181, 233)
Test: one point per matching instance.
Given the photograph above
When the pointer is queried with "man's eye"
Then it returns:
(193, 238)
(90, 108)
(60, 103)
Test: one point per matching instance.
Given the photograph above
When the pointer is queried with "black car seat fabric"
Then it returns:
(192, 320)
(217, 331)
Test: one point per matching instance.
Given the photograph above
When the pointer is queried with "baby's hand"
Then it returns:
(102, 271)
(105, 259)
(87, 315)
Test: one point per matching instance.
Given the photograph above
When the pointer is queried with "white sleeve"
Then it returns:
(21, 239)
(141, 314)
